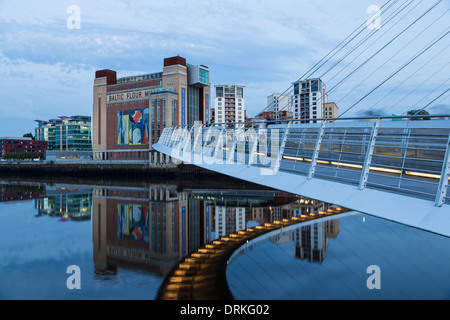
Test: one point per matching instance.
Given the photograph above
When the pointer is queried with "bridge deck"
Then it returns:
(394, 170)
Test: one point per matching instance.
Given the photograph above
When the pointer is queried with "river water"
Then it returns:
(119, 241)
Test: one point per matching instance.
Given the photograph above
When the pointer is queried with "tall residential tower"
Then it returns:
(309, 99)
(229, 104)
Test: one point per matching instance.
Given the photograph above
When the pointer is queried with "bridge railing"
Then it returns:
(408, 157)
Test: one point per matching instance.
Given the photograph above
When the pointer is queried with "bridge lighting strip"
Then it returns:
(424, 175)
(292, 158)
(386, 170)
(341, 164)
(356, 166)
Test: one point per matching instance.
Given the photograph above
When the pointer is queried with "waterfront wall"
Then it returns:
(93, 169)
(185, 176)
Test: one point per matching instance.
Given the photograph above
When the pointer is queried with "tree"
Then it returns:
(419, 112)
(24, 155)
(28, 135)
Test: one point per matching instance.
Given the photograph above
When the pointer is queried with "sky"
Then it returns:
(49, 53)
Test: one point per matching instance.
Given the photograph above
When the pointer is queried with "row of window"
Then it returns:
(230, 92)
(127, 155)
(220, 109)
(21, 150)
(22, 142)
(239, 99)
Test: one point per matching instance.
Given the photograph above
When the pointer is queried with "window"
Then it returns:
(173, 112)
(240, 93)
(204, 76)
(229, 90)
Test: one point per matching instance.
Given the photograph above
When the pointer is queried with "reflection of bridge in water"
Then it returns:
(202, 274)
(398, 170)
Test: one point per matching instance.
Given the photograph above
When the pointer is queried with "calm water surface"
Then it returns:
(125, 239)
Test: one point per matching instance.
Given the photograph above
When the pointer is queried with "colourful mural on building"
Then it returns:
(133, 222)
(133, 127)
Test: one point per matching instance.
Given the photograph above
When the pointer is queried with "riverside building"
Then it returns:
(130, 113)
(16, 146)
(309, 100)
(331, 110)
(229, 104)
(279, 102)
(66, 133)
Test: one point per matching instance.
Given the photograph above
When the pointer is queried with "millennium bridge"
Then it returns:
(396, 168)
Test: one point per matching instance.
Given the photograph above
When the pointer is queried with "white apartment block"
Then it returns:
(229, 104)
(279, 102)
(229, 220)
(309, 99)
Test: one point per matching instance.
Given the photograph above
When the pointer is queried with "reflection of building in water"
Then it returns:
(198, 225)
(20, 192)
(299, 207)
(152, 228)
(332, 228)
(146, 228)
(233, 209)
(270, 213)
(260, 214)
(67, 202)
(229, 220)
(283, 237)
(311, 242)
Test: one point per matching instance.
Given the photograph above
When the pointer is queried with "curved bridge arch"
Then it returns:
(202, 274)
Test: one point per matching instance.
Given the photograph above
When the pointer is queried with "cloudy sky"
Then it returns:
(48, 62)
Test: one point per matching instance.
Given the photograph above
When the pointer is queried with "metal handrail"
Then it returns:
(285, 121)
(334, 148)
